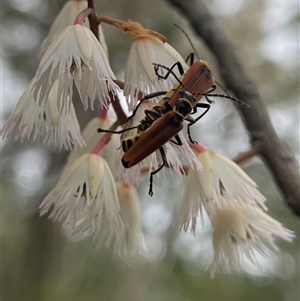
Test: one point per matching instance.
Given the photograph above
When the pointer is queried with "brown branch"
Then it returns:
(275, 154)
(115, 101)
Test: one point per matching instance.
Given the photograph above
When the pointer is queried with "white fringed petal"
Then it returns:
(30, 120)
(66, 17)
(85, 198)
(140, 74)
(243, 231)
(219, 180)
(132, 239)
(228, 178)
(75, 56)
(191, 206)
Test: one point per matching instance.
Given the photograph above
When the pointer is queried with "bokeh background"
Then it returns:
(42, 261)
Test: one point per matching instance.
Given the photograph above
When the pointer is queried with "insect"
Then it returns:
(166, 118)
(196, 80)
(160, 132)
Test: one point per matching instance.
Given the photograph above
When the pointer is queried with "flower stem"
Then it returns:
(108, 20)
(80, 18)
(105, 138)
(134, 29)
(115, 101)
(126, 185)
(100, 144)
(93, 19)
(103, 113)
(199, 148)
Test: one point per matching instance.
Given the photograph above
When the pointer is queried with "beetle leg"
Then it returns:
(164, 159)
(206, 106)
(117, 132)
(149, 96)
(198, 105)
(152, 115)
(178, 140)
(190, 59)
(170, 71)
(212, 89)
(208, 93)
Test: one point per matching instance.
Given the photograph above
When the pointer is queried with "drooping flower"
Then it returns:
(243, 231)
(31, 120)
(140, 75)
(131, 241)
(91, 136)
(219, 180)
(85, 198)
(75, 56)
(66, 17)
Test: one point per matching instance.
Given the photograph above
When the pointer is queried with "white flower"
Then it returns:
(176, 155)
(243, 231)
(32, 120)
(91, 136)
(75, 56)
(85, 198)
(66, 17)
(131, 241)
(219, 178)
(140, 74)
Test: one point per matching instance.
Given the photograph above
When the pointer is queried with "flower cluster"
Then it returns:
(236, 209)
(95, 195)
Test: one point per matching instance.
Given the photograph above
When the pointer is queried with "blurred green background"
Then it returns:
(40, 261)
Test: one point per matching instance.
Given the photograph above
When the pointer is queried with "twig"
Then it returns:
(241, 157)
(276, 155)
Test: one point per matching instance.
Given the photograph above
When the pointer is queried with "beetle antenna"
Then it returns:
(218, 83)
(188, 38)
(227, 97)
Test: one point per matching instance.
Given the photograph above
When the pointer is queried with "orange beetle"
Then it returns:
(165, 120)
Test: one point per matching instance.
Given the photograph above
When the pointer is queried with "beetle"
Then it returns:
(197, 80)
(159, 133)
(165, 120)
